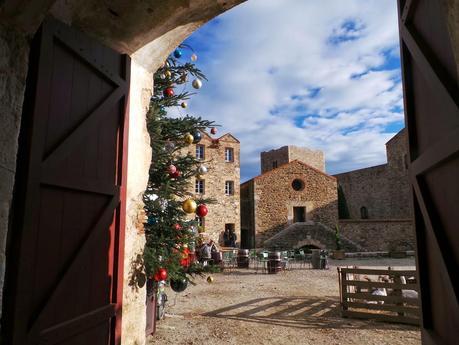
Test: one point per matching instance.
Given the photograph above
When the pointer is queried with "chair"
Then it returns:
(262, 261)
(253, 257)
(285, 261)
(228, 260)
(300, 258)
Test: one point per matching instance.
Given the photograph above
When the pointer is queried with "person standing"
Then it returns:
(233, 238)
(226, 238)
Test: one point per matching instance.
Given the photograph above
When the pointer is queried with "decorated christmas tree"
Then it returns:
(171, 229)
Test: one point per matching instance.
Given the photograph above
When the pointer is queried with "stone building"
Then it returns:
(294, 192)
(379, 201)
(274, 158)
(383, 191)
(221, 183)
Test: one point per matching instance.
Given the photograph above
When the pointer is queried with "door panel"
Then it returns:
(68, 227)
(432, 118)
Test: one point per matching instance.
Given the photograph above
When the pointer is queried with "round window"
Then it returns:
(298, 184)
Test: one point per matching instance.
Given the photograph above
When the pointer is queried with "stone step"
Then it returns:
(309, 233)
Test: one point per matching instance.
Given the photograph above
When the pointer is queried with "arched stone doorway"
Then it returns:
(150, 32)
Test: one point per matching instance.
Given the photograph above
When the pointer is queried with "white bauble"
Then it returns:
(202, 170)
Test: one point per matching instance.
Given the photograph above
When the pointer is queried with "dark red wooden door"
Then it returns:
(432, 118)
(65, 269)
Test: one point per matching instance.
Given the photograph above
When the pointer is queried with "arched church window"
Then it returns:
(363, 212)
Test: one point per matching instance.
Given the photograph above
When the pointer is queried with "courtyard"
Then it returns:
(299, 306)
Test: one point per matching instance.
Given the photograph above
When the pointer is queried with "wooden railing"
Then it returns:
(359, 299)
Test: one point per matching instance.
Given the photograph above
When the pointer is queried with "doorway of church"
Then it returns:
(299, 214)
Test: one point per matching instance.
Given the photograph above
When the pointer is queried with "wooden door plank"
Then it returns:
(102, 225)
(69, 328)
(78, 135)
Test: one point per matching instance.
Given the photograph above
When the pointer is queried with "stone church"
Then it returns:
(293, 188)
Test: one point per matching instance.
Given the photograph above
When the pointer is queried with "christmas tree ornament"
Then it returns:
(213, 130)
(194, 57)
(177, 53)
(184, 105)
(201, 210)
(152, 220)
(175, 174)
(162, 273)
(189, 206)
(210, 279)
(201, 229)
(188, 138)
(162, 76)
(179, 285)
(197, 136)
(194, 230)
(166, 64)
(168, 74)
(168, 92)
(197, 83)
(202, 170)
(177, 227)
(199, 177)
(172, 169)
(169, 146)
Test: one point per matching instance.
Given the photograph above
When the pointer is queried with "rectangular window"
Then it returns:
(199, 187)
(229, 188)
(199, 151)
(274, 164)
(229, 154)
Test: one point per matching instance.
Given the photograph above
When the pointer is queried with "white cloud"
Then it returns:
(303, 72)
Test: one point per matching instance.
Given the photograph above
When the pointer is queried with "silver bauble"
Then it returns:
(170, 146)
(197, 83)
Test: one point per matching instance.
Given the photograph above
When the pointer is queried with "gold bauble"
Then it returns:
(210, 279)
(189, 206)
(168, 74)
(184, 105)
(189, 139)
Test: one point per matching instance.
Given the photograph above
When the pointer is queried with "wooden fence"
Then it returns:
(359, 299)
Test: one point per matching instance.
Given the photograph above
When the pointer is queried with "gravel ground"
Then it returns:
(293, 307)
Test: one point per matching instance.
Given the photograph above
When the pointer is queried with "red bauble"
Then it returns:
(156, 277)
(213, 130)
(162, 274)
(169, 92)
(202, 210)
(175, 174)
(172, 169)
(177, 227)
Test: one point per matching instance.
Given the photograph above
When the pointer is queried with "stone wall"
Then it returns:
(274, 198)
(14, 51)
(381, 234)
(314, 158)
(286, 154)
(384, 189)
(226, 209)
(267, 158)
(139, 158)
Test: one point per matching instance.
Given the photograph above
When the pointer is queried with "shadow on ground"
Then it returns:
(297, 312)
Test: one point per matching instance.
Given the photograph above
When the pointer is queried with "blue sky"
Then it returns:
(321, 74)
